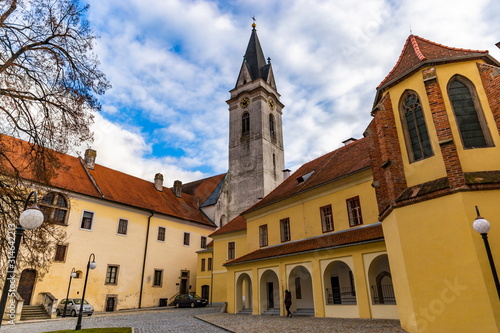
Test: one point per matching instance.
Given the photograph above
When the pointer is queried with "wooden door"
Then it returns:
(26, 284)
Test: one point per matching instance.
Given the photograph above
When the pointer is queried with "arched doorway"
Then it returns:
(380, 279)
(269, 292)
(243, 292)
(301, 286)
(26, 285)
(339, 284)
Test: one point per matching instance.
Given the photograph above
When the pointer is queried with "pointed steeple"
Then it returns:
(254, 63)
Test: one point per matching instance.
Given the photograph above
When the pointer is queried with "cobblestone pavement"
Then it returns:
(208, 320)
(245, 323)
(151, 321)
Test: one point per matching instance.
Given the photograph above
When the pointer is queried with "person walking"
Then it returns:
(288, 303)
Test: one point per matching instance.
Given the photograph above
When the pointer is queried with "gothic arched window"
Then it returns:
(272, 128)
(54, 207)
(245, 124)
(468, 114)
(415, 129)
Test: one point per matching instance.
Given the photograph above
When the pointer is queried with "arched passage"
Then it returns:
(301, 286)
(243, 292)
(269, 291)
(339, 284)
(380, 279)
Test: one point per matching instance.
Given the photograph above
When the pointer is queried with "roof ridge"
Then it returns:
(416, 48)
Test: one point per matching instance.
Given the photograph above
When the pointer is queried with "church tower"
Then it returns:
(256, 157)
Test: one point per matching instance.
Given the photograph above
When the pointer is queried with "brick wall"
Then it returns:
(490, 76)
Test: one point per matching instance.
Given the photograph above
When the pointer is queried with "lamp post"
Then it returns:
(30, 218)
(71, 276)
(482, 226)
(90, 265)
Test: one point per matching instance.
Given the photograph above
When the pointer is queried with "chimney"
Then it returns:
(177, 188)
(348, 141)
(286, 173)
(89, 158)
(159, 182)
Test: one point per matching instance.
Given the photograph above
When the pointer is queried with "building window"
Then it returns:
(417, 139)
(54, 207)
(231, 250)
(187, 238)
(60, 253)
(272, 128)
(202, 265)
(298, 288)
(468, 113)
(354, 211)
(263, 235)
(203, 242)
(285, 229)
(161, 234)
(326, 218)
(122, 227)
(158, 278)
(87, 220)
(209, 264)
(245, 124)
(112, 274)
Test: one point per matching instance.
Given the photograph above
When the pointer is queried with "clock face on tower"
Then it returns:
(245, 101)
(270, 102)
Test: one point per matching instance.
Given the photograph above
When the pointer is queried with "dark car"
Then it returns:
(189, 300)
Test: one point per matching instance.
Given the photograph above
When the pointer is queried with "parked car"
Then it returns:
(73, 307)
(189, 300)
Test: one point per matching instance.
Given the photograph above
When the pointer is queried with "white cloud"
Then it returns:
(172, 63)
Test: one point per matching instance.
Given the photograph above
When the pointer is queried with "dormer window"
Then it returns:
(305, 177)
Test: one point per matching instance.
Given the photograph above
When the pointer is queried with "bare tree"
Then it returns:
(49, 83)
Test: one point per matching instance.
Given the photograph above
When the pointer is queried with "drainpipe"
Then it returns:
(212, 277)
(144, 260)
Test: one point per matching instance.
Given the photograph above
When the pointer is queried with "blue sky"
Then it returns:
(172, 63)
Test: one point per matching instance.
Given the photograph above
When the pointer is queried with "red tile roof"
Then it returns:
(418, 51)
(335, 165)
(351, 237)
(202, 188)
(112, 185)
(237, 224)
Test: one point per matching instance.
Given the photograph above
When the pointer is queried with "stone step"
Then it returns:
(246, 311)
(34, 312)
(306, 312)
(272, 312)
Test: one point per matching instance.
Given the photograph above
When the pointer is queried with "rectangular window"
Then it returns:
(87, 220)
(112, 274)
(285, 229)
(158, 278)
(354, 211)
(187, 238)
(122, 227)
(298, 289)
(203, 242)
(231, 250)
(161, 234)
(202, 265)
(60, 253)
(263, 235)
(209, 264)
(326, 218)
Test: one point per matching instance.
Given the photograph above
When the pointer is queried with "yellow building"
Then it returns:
(382, 227)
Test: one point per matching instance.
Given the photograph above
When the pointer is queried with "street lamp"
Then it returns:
(482, 226)
(90, 265)
(71, 276)
(30, 218)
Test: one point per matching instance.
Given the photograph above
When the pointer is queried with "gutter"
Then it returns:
(144, 260)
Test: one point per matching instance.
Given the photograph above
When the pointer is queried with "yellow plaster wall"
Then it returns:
(439, 267)
(304, 210)
(125, 251)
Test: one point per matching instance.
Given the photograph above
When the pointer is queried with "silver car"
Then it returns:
(73, 307)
